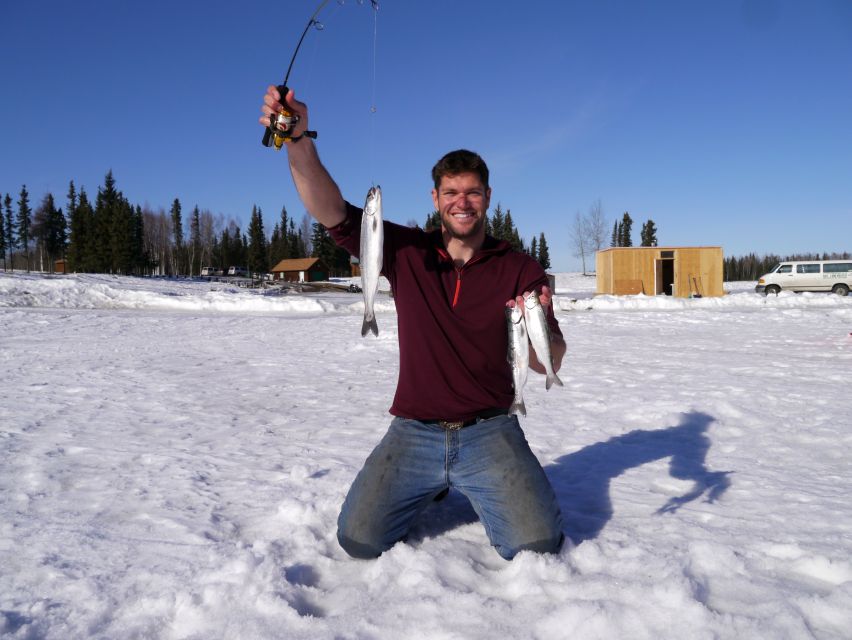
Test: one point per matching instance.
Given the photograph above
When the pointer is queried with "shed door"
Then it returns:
(664, 276)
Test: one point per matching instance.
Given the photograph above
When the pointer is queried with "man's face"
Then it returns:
(462, 201)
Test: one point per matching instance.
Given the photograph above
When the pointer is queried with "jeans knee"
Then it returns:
(359, 550)
(548, 545)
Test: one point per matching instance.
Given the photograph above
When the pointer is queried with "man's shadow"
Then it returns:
(582, 479)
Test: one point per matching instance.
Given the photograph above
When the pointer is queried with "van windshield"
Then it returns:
(775, 268)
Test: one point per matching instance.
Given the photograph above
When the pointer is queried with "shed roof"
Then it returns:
(659, 248)
(295, 264)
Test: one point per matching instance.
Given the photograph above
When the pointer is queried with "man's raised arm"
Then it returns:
(319, 193)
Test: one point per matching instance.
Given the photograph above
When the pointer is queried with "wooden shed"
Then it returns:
(300, 270)
(684, 272)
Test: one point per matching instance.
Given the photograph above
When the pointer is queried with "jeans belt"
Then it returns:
(454, 425)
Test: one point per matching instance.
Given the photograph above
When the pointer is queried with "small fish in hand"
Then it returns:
(539, 334)
(372, 238)
(518, 356)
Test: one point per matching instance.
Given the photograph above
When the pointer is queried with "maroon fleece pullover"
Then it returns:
(453, 338)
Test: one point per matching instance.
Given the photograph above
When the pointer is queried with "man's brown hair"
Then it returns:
(457, 162)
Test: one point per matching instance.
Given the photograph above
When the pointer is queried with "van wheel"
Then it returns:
(773, 288)
(840, 289)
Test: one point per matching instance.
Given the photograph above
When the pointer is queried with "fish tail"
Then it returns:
(370, 324)
(551, 378)
(518, 408)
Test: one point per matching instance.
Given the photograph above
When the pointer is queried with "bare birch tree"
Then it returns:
(589, 233)
(579, 233)
(157, 239)
(597, 226)
(208, 230)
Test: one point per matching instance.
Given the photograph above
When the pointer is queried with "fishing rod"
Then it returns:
(282, 124)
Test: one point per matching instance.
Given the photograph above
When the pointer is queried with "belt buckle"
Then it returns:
(451, 426)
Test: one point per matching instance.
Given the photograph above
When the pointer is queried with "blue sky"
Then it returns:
(727, 122)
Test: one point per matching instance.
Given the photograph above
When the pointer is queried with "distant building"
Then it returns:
(60, 266)
(300, 270)
(683, 272)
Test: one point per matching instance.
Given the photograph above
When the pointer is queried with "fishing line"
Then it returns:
(373, 96)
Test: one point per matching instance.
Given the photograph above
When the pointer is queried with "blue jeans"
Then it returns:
(489, 462)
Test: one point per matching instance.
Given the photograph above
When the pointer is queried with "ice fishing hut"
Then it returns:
(683, 272)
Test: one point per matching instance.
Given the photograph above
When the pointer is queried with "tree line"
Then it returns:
(752, 266)
(110, 235)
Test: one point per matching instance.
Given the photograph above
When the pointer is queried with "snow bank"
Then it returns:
(574, 292)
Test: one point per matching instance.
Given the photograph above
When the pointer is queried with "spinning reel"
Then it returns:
(282, 124)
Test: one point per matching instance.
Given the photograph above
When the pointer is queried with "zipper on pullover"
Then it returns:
(444, 255)
(458, 287)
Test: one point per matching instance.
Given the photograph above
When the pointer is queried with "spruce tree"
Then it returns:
(59, 234)
(433, 221)
(70, 216)
(48, 230)
(295, 241)
(24, 223)
(104, 228)
(282, 249)
(510, 232)
(649, 234)
(121, 230)
(195, 242)
(88, 250)
(625, 239)
(3, 241)
(9, 228)
(177, 235)
(543, 253)
(275, 244)
(534, 248)
(258, 261)
(615, 235)
(141, 260)
(498, 223)
(323, 245)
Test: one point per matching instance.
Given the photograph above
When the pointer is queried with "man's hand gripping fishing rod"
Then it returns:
(283, 124)
(277, 109)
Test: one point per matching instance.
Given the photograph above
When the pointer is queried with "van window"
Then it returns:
(837, 267)
(807, 268)
(785, 268)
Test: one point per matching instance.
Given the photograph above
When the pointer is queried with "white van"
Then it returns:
(808, 275)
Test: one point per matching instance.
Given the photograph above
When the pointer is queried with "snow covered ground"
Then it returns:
(173, 455)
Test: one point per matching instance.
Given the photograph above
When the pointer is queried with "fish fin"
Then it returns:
(369, 325)
(551, 379)
(518, 408)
